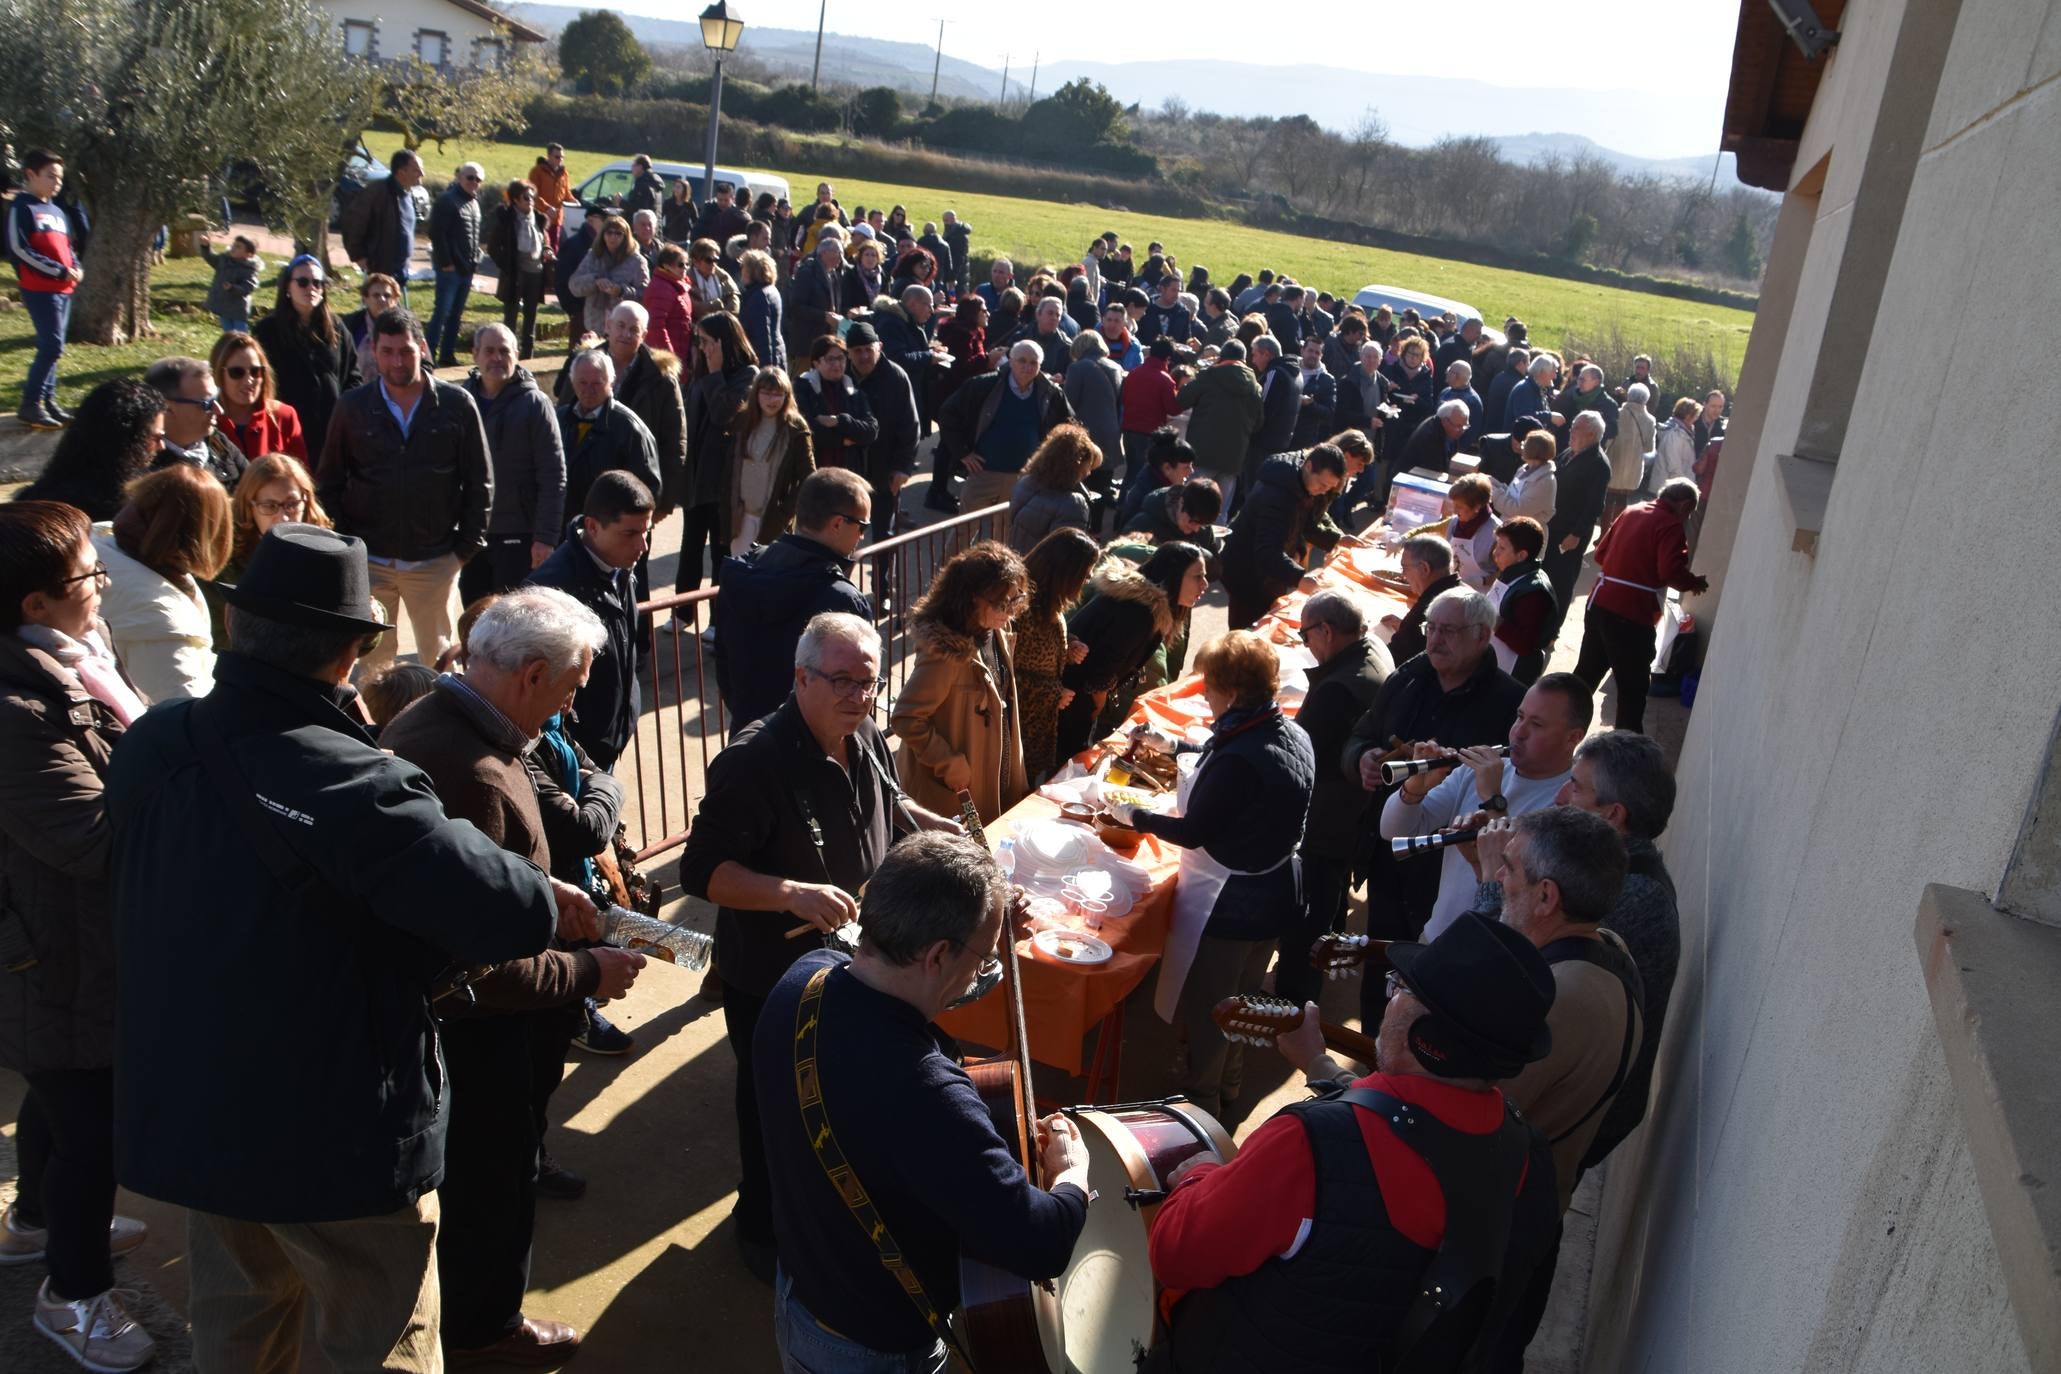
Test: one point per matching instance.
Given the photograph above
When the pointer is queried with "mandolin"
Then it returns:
(1256, 1020)
(1335, 954)
(1011, 1324)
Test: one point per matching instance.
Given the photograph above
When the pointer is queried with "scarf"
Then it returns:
(555, 752)
(93, 664)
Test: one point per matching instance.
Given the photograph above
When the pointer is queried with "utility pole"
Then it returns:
(938, 65)
(817, 70)
(1005, 82)
(1034, 77)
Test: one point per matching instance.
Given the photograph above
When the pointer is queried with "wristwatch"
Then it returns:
(1499, 802)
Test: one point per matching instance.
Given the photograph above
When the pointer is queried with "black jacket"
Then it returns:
(650, 385)
(307, 374)
(605, 709)
(963, 419)
(848, 443)
(647, 192)
(1280, 407)
(1572, 402)
(1581, 479)
(1174, 321)
(1286, 327)
(1269, 540)
(225, 461)
(763, 603)
(416, 496)
(960, 237)
(527, 455)
(769, 795)
(372, 229)
(1408, 640)
(906, 344)
(616, 439)
(893, 402)
(947, 260)
(713, 400)
(454, 231)
(1427, 447)
(1414, 707)
(1340, 691)
(332, 960)
(1313, 422)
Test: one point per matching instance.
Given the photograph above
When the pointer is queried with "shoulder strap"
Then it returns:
(1611, 957)
(808, 1088)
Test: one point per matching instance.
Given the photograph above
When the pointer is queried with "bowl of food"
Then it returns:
(1080, 813)
(1121, 838)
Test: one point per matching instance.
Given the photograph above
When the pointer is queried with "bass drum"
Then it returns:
(1108, 1300)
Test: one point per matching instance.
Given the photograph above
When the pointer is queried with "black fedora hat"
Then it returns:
(306, 575)
(1487, 991)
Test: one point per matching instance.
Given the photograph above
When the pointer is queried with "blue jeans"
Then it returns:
(453, 288)
(238, 324)
(49, 312)
(808, 1347)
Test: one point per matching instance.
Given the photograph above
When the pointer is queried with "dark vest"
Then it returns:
(1359, 1296)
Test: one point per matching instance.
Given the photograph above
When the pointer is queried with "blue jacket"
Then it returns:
(1527, 398)
(763, 602)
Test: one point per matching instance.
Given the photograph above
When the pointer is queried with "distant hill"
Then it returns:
(1528, 149)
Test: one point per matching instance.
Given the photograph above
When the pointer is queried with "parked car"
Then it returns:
(361, 169)
(606, 188)
(1372, 298)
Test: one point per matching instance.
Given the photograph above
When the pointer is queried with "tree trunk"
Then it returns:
(114, 298)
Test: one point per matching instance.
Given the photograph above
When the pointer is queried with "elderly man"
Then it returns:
(992, 425)
(1001, 277)
(1623, 778)
(891, 458)
(1317, 394)
(816, 304)
(1351, 670)
(908, 1126)
(1587, 394)
(1270, 539)
(1551, 720)
(908, 339)
(600, 433)
(1437, 438)
(528, 460)
(1534, 395)
(799, 812)
(1047, 330)
(767, 597)
(530, 650)
(193, 409)
(611, 536)
(1427, 564)
(1351, 1204)
(1460, 387)
(648, 382)
(644, 237)
(1581, 477)
(1643, 553)
(454, 252)
(405, 468)
(1280, 405)
(328, 855)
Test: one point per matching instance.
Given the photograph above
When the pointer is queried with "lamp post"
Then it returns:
(721, 27)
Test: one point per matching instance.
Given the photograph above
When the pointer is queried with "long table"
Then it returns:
(1064, 1002)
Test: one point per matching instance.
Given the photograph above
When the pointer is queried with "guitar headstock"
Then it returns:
(1256, 1020)
(1335, 954)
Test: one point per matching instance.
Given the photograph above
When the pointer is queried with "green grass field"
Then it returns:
(1030, 232)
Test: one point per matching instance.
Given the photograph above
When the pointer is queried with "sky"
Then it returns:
(1615, 44)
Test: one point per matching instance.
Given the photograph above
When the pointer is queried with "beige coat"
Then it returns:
(952, 711)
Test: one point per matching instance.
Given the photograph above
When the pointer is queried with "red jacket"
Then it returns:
(39, 239)
(1226, 1220)
(274, 431)
(1148, 397)
(1644, 552)
(672, 321)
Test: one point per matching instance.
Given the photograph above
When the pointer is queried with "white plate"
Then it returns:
(1086, 949)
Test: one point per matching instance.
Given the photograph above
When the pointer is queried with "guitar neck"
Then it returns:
(1351, 1043)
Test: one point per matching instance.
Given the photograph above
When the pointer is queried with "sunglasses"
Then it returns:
(240, 373)
(312, 283)
(204, 402)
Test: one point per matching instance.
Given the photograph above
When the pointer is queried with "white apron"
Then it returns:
(1196, 886)
(1506, 657)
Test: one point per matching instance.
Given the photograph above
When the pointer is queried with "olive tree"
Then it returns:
(150, 100)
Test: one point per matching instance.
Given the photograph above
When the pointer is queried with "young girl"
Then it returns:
(770, 454)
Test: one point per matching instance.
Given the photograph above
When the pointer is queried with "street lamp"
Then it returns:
(721, 27)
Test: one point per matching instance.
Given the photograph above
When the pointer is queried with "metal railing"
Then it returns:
(682, 725)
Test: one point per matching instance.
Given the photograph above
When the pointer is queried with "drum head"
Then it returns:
(1106, 1294)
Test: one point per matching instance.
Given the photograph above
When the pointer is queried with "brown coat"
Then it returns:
(950, 709)
(790, 467)
(479, 781)
(55, 847)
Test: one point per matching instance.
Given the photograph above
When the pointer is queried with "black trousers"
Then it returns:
(697, 537)
(755, 1189)
(1325, 882)
(489, 1193)
(529, 294)
(1563, 570)
(503, 564)
(1247, 604)
(66, 1143)
(887, 515)
(551, 1035)
(1615, 645)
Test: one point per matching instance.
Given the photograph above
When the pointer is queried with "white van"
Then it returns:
(606, 188)
(1372, 298)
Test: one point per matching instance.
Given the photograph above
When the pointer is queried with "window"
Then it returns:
(605, 187)
(490, 54)
(357, 38)
(430, 46)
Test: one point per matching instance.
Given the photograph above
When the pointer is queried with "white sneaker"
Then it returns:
(21, 1244)
(98, 1332)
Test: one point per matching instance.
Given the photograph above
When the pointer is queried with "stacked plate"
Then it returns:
(1047, 851)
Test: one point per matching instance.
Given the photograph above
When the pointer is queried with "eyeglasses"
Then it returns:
(210, 401)
(1311, 628)
(292, 505)
(1434, 628)
(98, 572)
(849, 688)
(312, 283)
(237, 374)
(1394, 985)
(1011, 604)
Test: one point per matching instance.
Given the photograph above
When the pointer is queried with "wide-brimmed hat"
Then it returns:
(1487, 993)
(306, 575)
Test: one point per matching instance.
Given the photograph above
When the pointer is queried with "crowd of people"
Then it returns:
(198, 672)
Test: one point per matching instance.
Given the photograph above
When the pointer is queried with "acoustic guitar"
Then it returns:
(1336, 954)
(1256, 1020)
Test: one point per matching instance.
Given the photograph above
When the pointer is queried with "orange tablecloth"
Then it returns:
(1063, 1002)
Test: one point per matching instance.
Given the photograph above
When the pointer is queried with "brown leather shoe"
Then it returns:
(534, 1344)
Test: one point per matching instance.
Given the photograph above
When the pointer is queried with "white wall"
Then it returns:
(1870, 720)
(396, 23)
